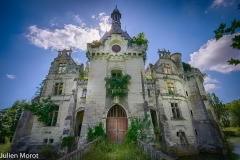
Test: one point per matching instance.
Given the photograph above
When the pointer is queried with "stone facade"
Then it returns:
(174, 100)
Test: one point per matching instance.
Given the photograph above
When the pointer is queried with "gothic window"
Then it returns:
(175, 111)
(167, 68)
(170, 88)
(84, 93)
(58, 88)
(62, 68)
(53, 116)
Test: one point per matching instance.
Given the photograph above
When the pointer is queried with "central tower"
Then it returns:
(113, 55)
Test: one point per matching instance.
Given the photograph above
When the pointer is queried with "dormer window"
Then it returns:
(62, 67)
(170, 88)
(167, 68)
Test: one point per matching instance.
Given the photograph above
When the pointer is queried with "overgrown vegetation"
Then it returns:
(44, 110)
(117, 85)
(4, 148)
(49, 153)
(9, 118)
(138, 129)
(95, 44)
(186, 67)
(139, 40)
(84, 74)
(67, 141)
(105, 150)
(96, 132)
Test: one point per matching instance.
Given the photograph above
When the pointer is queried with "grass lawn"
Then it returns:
(105, 150)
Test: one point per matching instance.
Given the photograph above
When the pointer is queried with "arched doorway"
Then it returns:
(116, 124)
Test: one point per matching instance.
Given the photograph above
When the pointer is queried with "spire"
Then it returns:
(116, 16)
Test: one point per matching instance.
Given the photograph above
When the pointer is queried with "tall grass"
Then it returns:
(106, 150)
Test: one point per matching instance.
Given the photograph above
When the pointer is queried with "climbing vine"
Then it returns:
(44, 110)
(118, 85)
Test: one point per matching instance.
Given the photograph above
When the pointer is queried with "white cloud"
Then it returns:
(208, 79)
(70, 36)
(213, 56)
(104, 22)
(93, 16)
(219, 3)
(209, 87)
(11, 76)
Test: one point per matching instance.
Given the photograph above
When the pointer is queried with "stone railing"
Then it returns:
(153, 152)
(77, 154)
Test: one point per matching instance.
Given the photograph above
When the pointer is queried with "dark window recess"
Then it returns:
(45, 141)
(175, 111)
(58, 88)
(191, 112)
(149, 94)
(186, 93)
(50, 140)
(196, 132)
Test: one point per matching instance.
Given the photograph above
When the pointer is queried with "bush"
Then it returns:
(137, 129)
(4, 148)
(67, 141)
(49, 153)
(97, 132)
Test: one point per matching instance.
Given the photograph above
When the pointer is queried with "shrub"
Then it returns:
(137, 129)
(4, 148)
(97, 132)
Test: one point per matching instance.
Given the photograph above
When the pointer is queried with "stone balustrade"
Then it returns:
(153, 152)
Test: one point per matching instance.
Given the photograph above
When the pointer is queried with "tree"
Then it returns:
(9, 119)
(231, 30)
(219, 109)
(234, 108)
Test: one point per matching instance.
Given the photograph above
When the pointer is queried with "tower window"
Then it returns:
(196, 132)
(62, 68)
(170, 88)
(167, 68)
(191, 112)
(115, 73)
(58, 88)
(149, 94)
(84, 93)
(186, 93)
(175, 111)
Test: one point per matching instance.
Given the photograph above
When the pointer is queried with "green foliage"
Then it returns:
(84, 74)
(44, 110)
(220, 110)
(139, 39)
(95, 44)
(138, 129)
(234, 108)
(97, 132)
(186, 67)
(106, 150)
(67, 141)
(117, 86)
(40, 88)
(4, 148)
(49, 153)
(231, 30)
(9, 118)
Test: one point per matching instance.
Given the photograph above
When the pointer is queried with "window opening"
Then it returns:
(54, 116)
(175, 110)
(186, 93)
(62, 68)
(149, 94)
(58, 88)
(45, 141)
(170, 88)
(116, 111)
(84, 93)
(167, 68)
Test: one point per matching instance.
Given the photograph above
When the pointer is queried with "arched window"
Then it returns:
(116, 111)
(84, 93)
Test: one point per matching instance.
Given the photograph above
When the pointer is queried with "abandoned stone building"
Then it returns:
(174, 99)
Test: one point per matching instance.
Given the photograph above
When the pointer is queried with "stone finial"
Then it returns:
(164, 54)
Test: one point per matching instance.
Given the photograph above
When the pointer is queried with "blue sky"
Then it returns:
(32, 31)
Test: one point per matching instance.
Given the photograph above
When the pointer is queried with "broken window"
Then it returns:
(84, 93)
(167, 68)
(58, 88)
(170, 88)
(175, 111)
(53, 116)
(115, 73)
(62, 68)
(183, 138)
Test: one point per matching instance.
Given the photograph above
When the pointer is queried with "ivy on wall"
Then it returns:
(117, 85)
(44, 110)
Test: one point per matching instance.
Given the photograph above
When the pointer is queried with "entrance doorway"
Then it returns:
(79, 120)
(116, 124)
